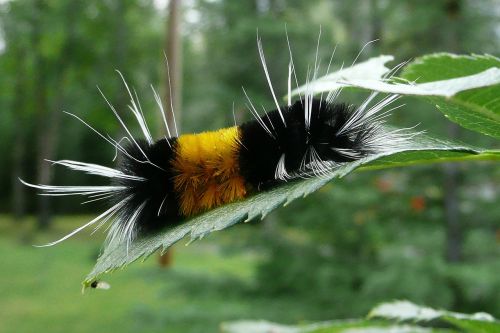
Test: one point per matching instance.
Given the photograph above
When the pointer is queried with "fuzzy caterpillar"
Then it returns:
(159, 184)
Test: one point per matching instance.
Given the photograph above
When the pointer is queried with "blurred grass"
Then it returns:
(210, 281)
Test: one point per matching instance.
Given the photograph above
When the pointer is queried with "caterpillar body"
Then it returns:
(159, 184)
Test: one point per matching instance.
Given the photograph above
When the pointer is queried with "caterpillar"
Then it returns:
(159, 184)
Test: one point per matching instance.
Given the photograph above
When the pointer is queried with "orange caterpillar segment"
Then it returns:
(207, 172)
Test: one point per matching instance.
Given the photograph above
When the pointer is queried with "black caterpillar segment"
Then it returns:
(153, 196)
(294, 143)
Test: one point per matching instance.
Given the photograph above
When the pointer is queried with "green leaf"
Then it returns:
(474, 326)
(383, 329)
(337, 326)
(371, 69)
(261, 326)
(409, 158)
(422, 150)
(423, 320)
(442, 88)
(478, 109)
(465, 88)
(406, 311)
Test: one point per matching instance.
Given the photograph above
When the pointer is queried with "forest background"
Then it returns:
(430, 234)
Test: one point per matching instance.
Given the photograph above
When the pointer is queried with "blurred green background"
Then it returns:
(429, 234)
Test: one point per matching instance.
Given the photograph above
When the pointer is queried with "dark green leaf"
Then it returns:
(477, 109)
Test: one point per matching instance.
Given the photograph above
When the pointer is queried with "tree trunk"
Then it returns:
(19, 142)
(452, 175)
(173, 91)
(44, 131)
(49, 114)
(454, 232)
(18, 189)
(375, 29)
(120, 48)
(48, 133)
